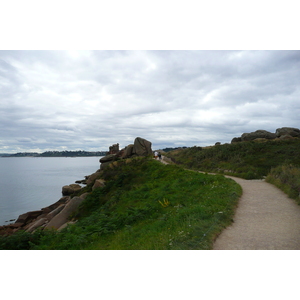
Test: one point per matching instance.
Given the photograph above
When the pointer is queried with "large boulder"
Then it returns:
(293, 132)
(107, 158)
(28, 217)
(128, 151)
(142, 147)
(37, 224)
(55, 212)
(258, 134)
(53, 206)
(70, 189)
(91, 178)
(63, 216)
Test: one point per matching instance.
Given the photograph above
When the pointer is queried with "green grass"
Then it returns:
(146, 205)
(287, 178)
(249, 160)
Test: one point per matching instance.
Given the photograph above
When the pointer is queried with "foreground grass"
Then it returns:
(248, 160)
(145, 205)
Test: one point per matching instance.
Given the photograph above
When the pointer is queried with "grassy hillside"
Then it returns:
(249, 160)
(144, 205)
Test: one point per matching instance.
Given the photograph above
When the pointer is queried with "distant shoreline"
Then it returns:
(78, 153)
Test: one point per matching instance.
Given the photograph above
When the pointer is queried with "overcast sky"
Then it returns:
(89, 100)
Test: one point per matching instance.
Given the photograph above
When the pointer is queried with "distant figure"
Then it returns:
(155, 154)
(159, 155)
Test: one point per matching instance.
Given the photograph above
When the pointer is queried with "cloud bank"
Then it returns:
(89, 100)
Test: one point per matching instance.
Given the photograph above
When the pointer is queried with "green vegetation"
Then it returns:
(249, 160)
(287, 178)
(78, 153)
(144, 205)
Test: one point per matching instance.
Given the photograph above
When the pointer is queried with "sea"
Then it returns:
(31, 183)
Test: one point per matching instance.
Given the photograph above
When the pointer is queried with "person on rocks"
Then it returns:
(159, 155)
(155, 154)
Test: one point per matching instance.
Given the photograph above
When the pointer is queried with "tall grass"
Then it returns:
(287, 178)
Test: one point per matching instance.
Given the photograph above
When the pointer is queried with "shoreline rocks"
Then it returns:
(56, 216)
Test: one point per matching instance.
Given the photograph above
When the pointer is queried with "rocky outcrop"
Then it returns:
(99, 183)
(236, 140)
(258, 134)
(70, 189)
(140, 147)
(287, 131)
(91, 178)
(32, 220)
(62, 217)
(114, 149)
(263, 135)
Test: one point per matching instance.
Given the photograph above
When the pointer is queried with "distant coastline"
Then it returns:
(78, 153)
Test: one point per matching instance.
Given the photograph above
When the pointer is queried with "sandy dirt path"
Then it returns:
(265, 219)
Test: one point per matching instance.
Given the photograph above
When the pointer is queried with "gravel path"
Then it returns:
(265, 219)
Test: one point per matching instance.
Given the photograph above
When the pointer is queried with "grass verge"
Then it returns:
(286, 178)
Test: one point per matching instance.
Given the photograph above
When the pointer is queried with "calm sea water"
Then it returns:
(31, 183)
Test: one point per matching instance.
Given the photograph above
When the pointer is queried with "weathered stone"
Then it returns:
(258, 134)
(91, 179)
(107, 158)
(54, 212)
(128, 151)
(70, 189)
(217, 143)
(99, 183)
(236, 140)
(63, 216)
(105, 165)
(51, 207)
(37, 224)
(120, 153)
(15, 225)
(285, 137)
(114, 149)
(294, 132)
(65, 225)
(28, 217)
(83, 181)
(83, 196)
(142, 147)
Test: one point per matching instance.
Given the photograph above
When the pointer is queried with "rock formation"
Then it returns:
(284, 131)
(260, 135)
(114, 149)
(57, 216)
(70, 189)
(140, 147)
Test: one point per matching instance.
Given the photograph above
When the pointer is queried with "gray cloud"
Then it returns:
(55, 100)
